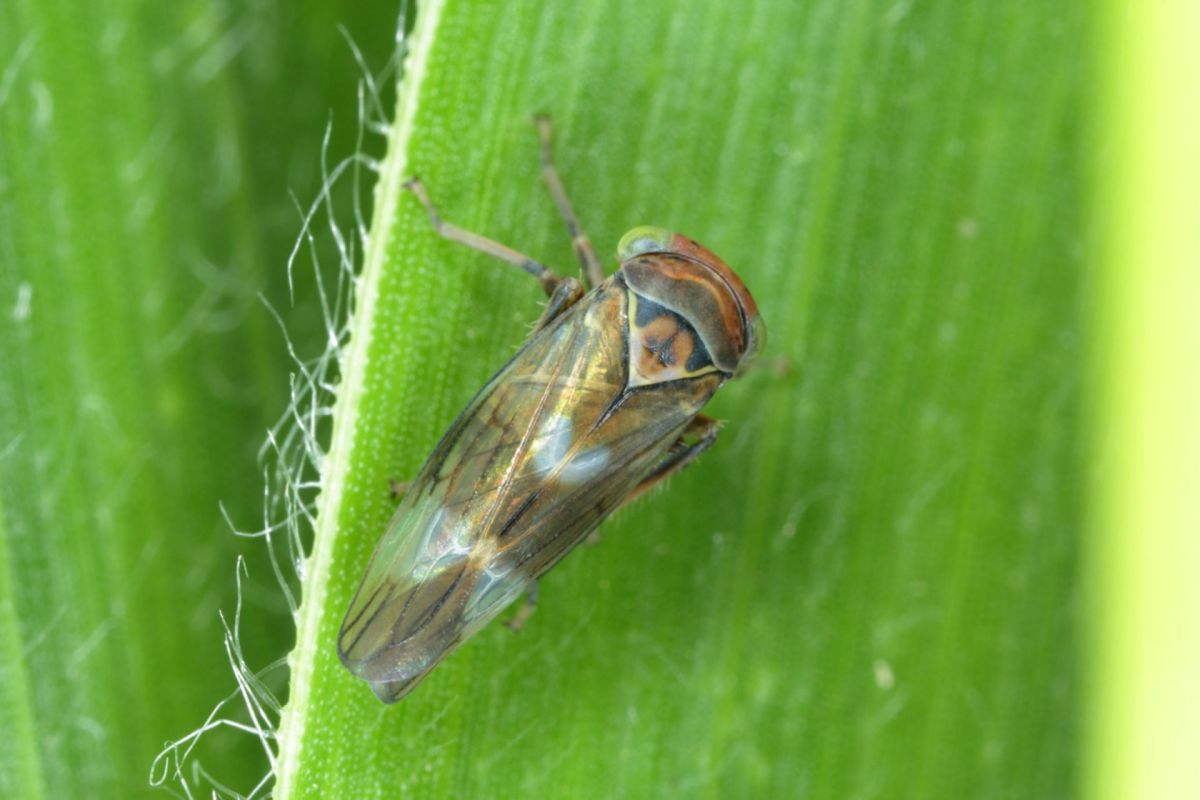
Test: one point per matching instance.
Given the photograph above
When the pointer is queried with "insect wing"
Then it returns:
(436, 575)
(402, 621)
(547, 449)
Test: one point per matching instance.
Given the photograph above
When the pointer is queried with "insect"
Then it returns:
(601, 402)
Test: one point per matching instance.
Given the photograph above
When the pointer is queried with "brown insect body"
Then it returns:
(593, 409)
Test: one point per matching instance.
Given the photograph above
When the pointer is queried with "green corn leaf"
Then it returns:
(869, 586)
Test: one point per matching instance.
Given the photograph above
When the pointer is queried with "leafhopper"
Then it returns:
(602, 402)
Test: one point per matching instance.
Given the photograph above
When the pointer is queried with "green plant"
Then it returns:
(871, 586)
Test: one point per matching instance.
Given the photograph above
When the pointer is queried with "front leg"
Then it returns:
(548, 278)
(562, 292)
(593, 271)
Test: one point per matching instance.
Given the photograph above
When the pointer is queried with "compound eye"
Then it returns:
(755, 343)
(644, 239)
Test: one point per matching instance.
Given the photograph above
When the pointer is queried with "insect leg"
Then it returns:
(447, 230)
(525, 611)
(568, 292)
(593, 271)
(681, 453)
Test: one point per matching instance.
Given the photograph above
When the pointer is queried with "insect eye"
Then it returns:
(643, 239)
(756, 340)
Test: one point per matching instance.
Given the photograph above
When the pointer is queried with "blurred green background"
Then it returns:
(873, 586)
(148, 157)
